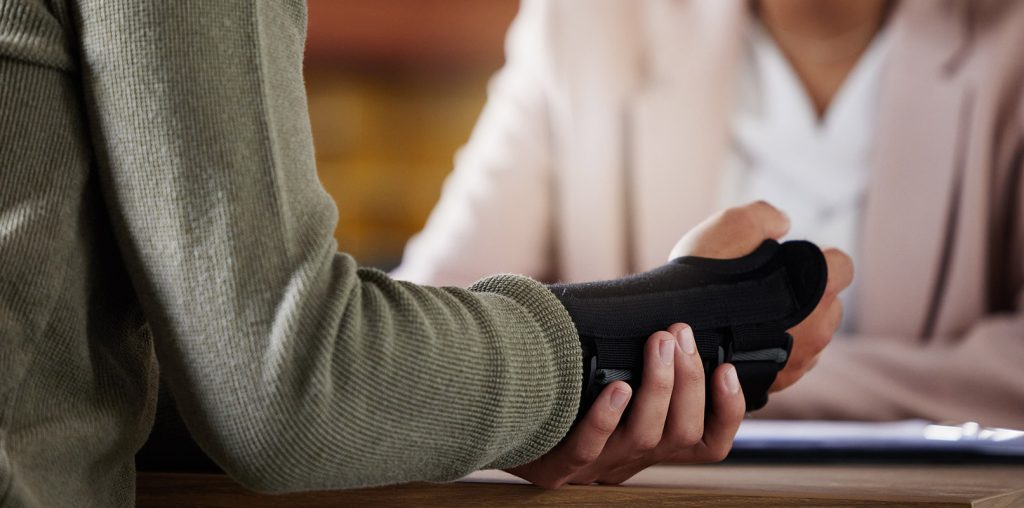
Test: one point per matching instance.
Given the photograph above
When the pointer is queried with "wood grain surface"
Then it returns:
(723, 485)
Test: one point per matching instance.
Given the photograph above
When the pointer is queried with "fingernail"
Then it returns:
(668, 351)
(732, 383)
(619, 399)
(686, 342)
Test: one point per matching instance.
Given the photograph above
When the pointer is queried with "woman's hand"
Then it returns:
(666, 421)
(736, 232)
(815, 332)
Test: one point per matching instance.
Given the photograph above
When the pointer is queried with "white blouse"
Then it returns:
(815, 170)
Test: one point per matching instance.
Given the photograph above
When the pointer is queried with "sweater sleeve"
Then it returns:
(295, 369)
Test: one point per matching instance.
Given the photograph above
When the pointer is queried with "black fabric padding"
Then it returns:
(735, 306)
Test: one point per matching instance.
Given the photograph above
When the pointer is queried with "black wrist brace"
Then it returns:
(739, 310)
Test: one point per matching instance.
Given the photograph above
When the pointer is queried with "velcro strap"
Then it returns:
(721, 306)
(756, 378)
(775, 354)
(751, 337)
(606, 376)
(629, 354)
(619, 354)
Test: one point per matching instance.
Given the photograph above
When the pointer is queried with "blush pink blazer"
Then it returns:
(602, 143)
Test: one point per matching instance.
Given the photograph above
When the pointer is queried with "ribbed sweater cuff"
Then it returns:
(32, 35)
(563, 352)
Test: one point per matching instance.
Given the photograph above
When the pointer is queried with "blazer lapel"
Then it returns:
(678, 122)
(913, 189)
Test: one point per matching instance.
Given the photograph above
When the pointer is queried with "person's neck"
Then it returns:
(822, 39)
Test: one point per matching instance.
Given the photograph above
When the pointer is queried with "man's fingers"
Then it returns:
(587, 440)
(647, 417)
(631, 449)
(584, 443)
(840, 271)
(726, 414)
(685, 424)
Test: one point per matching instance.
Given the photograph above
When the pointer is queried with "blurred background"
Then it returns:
(395, 87)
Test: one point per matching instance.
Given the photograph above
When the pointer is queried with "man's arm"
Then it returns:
(294, 368)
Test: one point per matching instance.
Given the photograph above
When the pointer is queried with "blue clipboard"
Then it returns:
(900, 441)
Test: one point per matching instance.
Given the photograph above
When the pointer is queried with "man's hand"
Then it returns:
(666, 421)
(735, 232)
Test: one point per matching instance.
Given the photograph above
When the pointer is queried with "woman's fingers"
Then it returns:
(810, 338)
(733, 232)
(774, 223)
(840, 271)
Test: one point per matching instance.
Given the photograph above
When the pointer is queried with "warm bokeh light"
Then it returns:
(394, 89)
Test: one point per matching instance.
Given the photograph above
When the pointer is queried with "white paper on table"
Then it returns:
(910, 435)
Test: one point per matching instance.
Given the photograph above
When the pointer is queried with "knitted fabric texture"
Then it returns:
(160, 206)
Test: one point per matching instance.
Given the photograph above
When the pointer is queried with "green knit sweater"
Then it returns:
(159, 207)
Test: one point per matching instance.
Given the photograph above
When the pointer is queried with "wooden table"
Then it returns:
(720, 485)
